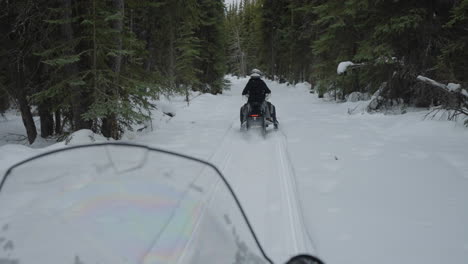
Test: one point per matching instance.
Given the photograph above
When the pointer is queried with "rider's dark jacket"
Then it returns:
(257, 90)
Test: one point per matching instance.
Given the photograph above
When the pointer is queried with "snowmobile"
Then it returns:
(124, 203)
(257, 117)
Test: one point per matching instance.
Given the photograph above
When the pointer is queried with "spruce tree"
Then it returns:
(211, 35)
(236, 55)
(453, 61)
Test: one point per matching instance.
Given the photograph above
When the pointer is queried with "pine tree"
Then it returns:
(96, 64)
(212, 59)
(65, 90)
(120, 94)
(23, 34)
(453, 62)
(236, 56)
(104, 65)
(271, 25)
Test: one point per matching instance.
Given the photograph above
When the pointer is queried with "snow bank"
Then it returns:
(304, 86)
(13, 153)
(167, 108)
(357, 96)
(84, 136)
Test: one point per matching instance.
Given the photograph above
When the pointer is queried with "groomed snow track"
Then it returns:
(276, 212)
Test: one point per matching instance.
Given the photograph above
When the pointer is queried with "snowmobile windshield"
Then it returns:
(119, 203)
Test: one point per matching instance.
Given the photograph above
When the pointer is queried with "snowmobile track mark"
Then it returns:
(303, 241)
(204, 200)
(209, 198)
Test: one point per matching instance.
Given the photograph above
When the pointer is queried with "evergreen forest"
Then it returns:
(100, 64)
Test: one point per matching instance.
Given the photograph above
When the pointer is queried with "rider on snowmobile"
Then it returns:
(257, 90)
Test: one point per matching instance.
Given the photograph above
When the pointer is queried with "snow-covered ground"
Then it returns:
(354, 189)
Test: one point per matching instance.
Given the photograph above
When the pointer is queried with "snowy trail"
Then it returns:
(258, 168)
(262, 176)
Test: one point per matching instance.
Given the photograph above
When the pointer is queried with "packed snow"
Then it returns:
(348, 186)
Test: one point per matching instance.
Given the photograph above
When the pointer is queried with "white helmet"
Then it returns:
(256, 73)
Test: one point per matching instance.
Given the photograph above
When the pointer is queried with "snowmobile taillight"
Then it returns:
(254, 115)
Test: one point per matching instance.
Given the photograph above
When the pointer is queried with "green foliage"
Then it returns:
(211, 64)
(187, 54)
(392, 41)
(98, 64)
(243, 37)
(453, 61)
(400, 24)
(62, 61)
(124, 94)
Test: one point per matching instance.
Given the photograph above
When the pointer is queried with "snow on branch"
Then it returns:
(432, 82)
(451, 87)
(344, 65)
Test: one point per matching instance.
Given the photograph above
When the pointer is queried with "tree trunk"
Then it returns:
(273, 67)
(27, 117)
(150, 44)
(46, 119)
(20, 95)
(79, 97)
(172, 55)
(4, 102)
(110, 127)
(58, 122)
(23, 104)
(117, 25)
